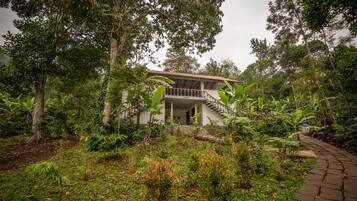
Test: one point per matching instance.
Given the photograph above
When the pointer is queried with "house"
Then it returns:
(193, 99)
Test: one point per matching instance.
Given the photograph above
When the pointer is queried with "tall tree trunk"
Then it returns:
(341, 91)
(316, 79)
(113, 61)
(138, 114)
(38, 111)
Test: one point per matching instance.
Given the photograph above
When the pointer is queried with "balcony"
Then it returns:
(182, 92)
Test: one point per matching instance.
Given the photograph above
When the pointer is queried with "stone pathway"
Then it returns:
(334, 176)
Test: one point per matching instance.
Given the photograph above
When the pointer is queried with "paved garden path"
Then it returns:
(334, 176)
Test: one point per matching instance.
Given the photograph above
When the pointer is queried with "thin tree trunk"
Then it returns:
(138, 114)
(113, 61)
(341, 90)
(38, 111)
(317, 81)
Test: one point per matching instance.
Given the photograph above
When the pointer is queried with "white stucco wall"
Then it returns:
(214, 116)
(213, 93)
(145, 116)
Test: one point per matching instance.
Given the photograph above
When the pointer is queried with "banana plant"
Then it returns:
(154, 105)
(298, 117)
(234, 98)
(285, 145)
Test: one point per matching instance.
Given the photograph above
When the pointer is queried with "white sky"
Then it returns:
(242, 21)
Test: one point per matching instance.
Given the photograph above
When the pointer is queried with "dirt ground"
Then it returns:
(21, 155)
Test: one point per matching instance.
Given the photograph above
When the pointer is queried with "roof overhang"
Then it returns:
(192, 76)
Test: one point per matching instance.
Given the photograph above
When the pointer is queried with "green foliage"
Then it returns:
(15, 115)
(159, 180)
(239, 108)
(179, 62)
(48, 170)
(132, 132)
(244, 164)
(213, 177)
(262, 160)
(194, 163)
(105, 179)
(239, 128)
(285, 145)
(56, 122)
(226, 68)
(105, 143)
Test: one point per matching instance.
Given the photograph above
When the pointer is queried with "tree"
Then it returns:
(286, 18)
(131, 26)
(330, 11)
(49, 30)
(140, 89)
(181, 63)
(226, 68)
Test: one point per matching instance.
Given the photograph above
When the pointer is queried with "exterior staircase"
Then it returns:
(214, 104)
(209, 100)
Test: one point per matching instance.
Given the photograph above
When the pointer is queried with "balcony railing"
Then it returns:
(184, 92)
(211, 101)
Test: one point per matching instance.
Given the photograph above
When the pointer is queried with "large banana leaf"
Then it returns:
(157, 96)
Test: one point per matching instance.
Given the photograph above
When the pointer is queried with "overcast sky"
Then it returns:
(242, 21)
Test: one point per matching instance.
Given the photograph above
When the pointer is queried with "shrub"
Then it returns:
(15, 115)
(285, 145)
(132, 131)
(275, 124)
(49, 171)
(194, 163)
(156, 128)
(105, 143)
(244, 163)
(158, 179)
(278, 171)
(261, 159)
(163, 153)
(213, 177)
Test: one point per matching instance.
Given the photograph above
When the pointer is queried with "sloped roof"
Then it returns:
(189, 75)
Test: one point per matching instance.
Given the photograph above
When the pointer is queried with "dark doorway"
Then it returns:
(188, 117)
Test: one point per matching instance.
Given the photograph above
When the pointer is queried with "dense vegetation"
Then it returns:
(136, 171)
(66, 71)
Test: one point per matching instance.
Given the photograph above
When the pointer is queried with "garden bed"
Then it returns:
(118, 176)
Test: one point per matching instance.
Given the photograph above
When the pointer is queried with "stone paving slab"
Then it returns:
(334, 177)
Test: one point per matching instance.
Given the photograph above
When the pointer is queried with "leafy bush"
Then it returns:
(347, 134)
(278, 171)
(275, 125)
(163, 153)
(132, 132)
(244, 163)
(105, 143)
(156, 128)
(15, 115)
(49, 171)
(158, 179)
(213, 177)
(239, 128)
(194, 163)
(262, 160)
(56, 121)
(285, 145)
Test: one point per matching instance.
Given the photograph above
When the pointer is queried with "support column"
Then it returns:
(172, 112)
(202, 85)
(196, 119)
